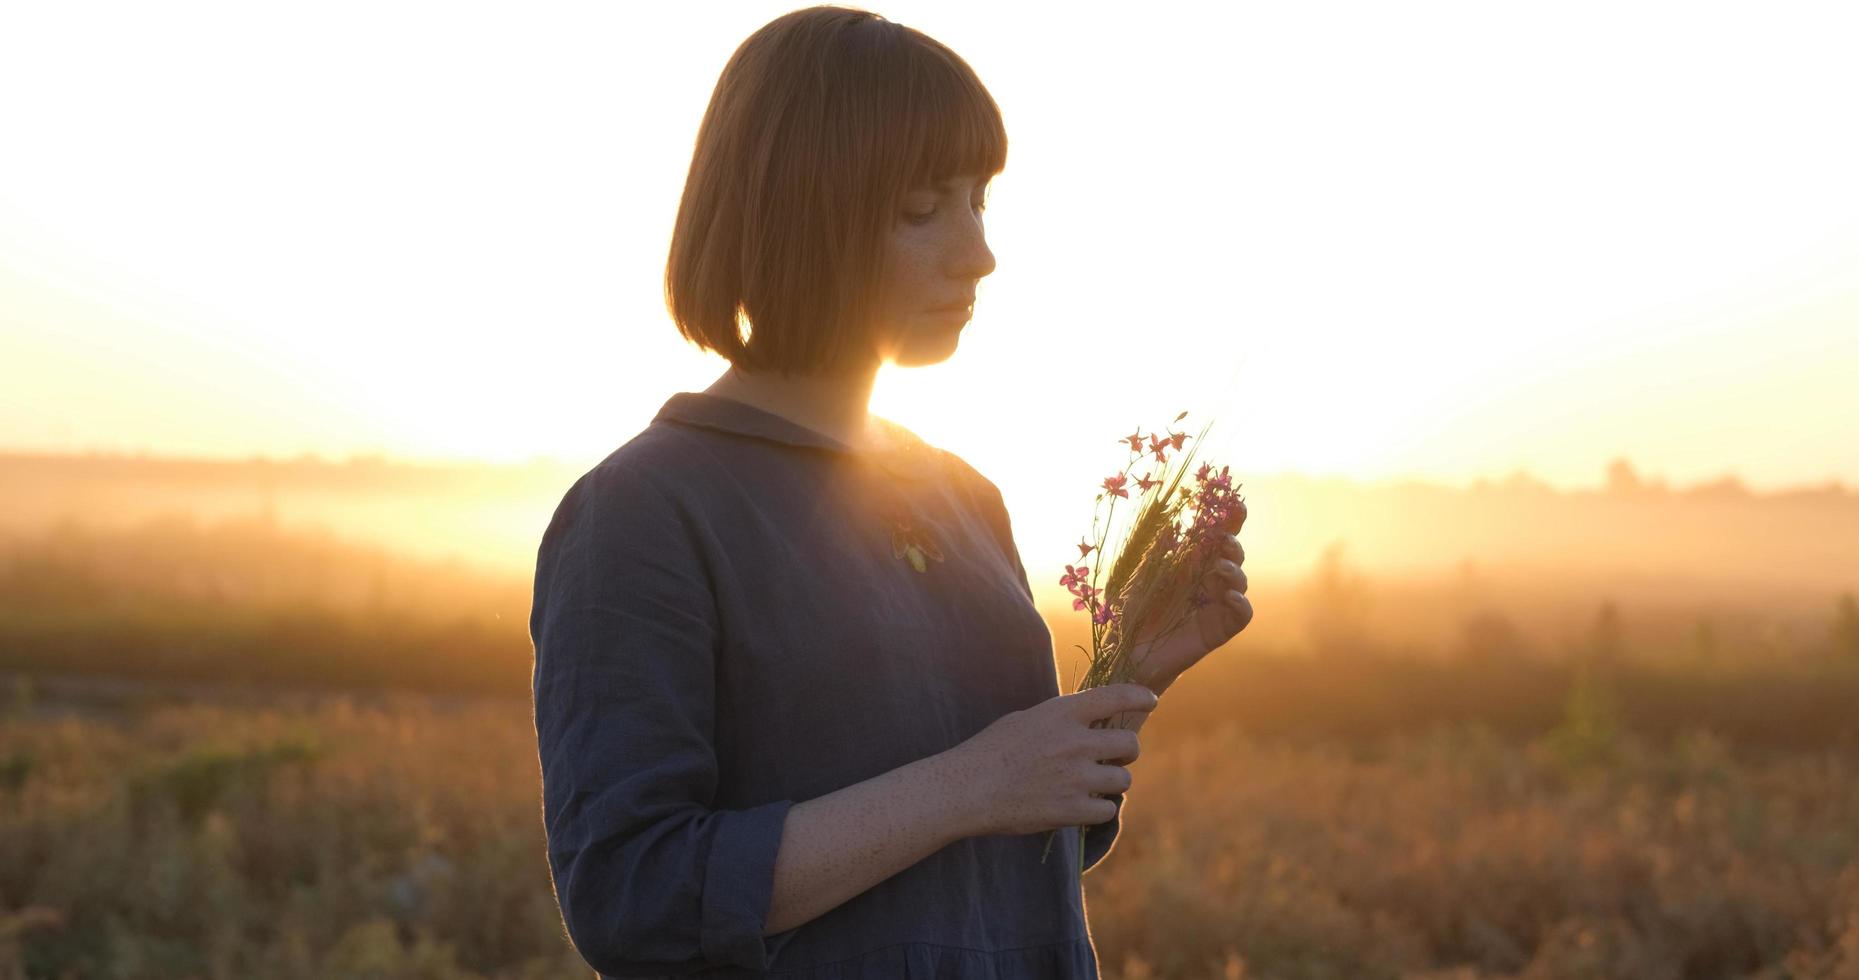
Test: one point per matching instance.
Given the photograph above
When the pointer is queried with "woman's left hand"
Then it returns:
(1210, 626)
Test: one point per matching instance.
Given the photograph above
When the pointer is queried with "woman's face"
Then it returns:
(936, 252)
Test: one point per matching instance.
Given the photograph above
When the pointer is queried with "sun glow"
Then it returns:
(1410, 242)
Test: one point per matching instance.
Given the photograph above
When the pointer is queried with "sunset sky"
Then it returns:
(1437, 241)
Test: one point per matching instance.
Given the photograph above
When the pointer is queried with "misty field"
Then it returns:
(243, 751)
(400, 837)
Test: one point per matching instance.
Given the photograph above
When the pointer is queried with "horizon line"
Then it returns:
(1633, 481)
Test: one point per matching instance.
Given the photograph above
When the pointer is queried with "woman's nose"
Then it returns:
(970, 256)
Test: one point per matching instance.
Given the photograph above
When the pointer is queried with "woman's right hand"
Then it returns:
(1036, 769)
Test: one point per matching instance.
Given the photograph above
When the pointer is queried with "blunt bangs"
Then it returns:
(951, 125)
(820, 123)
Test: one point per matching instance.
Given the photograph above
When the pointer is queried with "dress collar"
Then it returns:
(909, 455)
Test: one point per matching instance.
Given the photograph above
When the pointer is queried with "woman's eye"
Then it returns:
(923, 217)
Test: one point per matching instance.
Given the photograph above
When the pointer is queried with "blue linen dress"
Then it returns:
(723, 628)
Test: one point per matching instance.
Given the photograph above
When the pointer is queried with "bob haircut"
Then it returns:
(820, 123)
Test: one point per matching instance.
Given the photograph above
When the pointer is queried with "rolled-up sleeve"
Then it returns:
(651, 877)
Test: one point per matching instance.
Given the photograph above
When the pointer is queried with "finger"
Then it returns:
(1232, 549)
(1231, 576)
(1240, 608)
(1110, 700)
(1120, 746)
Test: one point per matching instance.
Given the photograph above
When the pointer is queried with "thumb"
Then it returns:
(1237, 519)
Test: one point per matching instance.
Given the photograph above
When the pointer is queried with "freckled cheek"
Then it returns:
(919, 278)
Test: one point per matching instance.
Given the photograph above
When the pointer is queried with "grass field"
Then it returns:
(400, 836)
(232, 753)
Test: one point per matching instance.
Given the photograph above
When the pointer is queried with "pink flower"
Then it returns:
(1156, 446)
(1188, 541)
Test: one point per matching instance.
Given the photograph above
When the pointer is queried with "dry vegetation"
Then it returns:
(1639, 792)
(356, 839)
(1456, 854)
(194, 841)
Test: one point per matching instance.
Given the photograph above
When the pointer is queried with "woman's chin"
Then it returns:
(927, 350)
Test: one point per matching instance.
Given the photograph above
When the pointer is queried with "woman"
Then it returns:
(795, 709)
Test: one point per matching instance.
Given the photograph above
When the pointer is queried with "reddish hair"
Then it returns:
(821, 121)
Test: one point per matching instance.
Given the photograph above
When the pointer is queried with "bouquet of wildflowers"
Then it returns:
(1154, 583)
